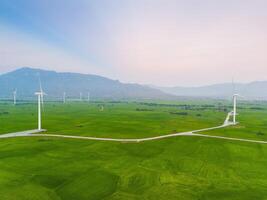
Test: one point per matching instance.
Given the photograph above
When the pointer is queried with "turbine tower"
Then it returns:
(235, 95)
(234, 107)
(64, 97)
(81, 96)
(15, 96)
(88, 97)
(41, 92)
(40, 96)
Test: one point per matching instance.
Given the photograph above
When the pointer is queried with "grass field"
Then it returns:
(117, 120)
(176, 168)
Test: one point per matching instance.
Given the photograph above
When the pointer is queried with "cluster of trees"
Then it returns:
(143, 109)
(196, 107)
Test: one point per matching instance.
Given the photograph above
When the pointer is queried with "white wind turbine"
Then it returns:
(235, 96)
(40, 95)
(88, 97)
(232, 113)
(234, 107)
(81, 96)
(64, 97)
(15, 96)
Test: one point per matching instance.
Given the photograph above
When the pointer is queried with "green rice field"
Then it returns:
(184, 168)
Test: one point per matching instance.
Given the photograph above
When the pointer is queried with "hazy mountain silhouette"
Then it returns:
(26, 81)
(253, 90)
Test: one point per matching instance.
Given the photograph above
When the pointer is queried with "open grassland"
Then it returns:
(184, 168)
(117, 120)
(175, 168)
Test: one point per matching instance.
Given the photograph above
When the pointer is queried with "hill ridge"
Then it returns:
(26, 81)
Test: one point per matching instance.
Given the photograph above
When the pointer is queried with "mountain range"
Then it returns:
(251, 91)
(26, 80)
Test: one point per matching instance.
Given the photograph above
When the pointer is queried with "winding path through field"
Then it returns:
(37, 133)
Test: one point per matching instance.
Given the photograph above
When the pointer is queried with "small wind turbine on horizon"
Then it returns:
(233, 112)
(235, 96)
(15, 96)
(88, 97)
(234, 107)
(64, 97)
(81, 96)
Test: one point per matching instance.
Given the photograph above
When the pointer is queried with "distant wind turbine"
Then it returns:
(88, 97)
(235, 96)
(64, 97)
(233, 113)
(15, 96)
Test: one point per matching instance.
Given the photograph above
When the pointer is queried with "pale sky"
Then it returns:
(160, 42)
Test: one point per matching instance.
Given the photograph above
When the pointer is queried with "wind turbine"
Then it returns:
(233, 113)
(234, 107)
(235, 96)
(64, 97)
(88, 97)
(81, 96)
(15, 96)
(40, 95)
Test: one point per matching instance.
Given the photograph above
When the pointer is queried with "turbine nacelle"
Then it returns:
(238, 95)
(42, 94)
(38, 93)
